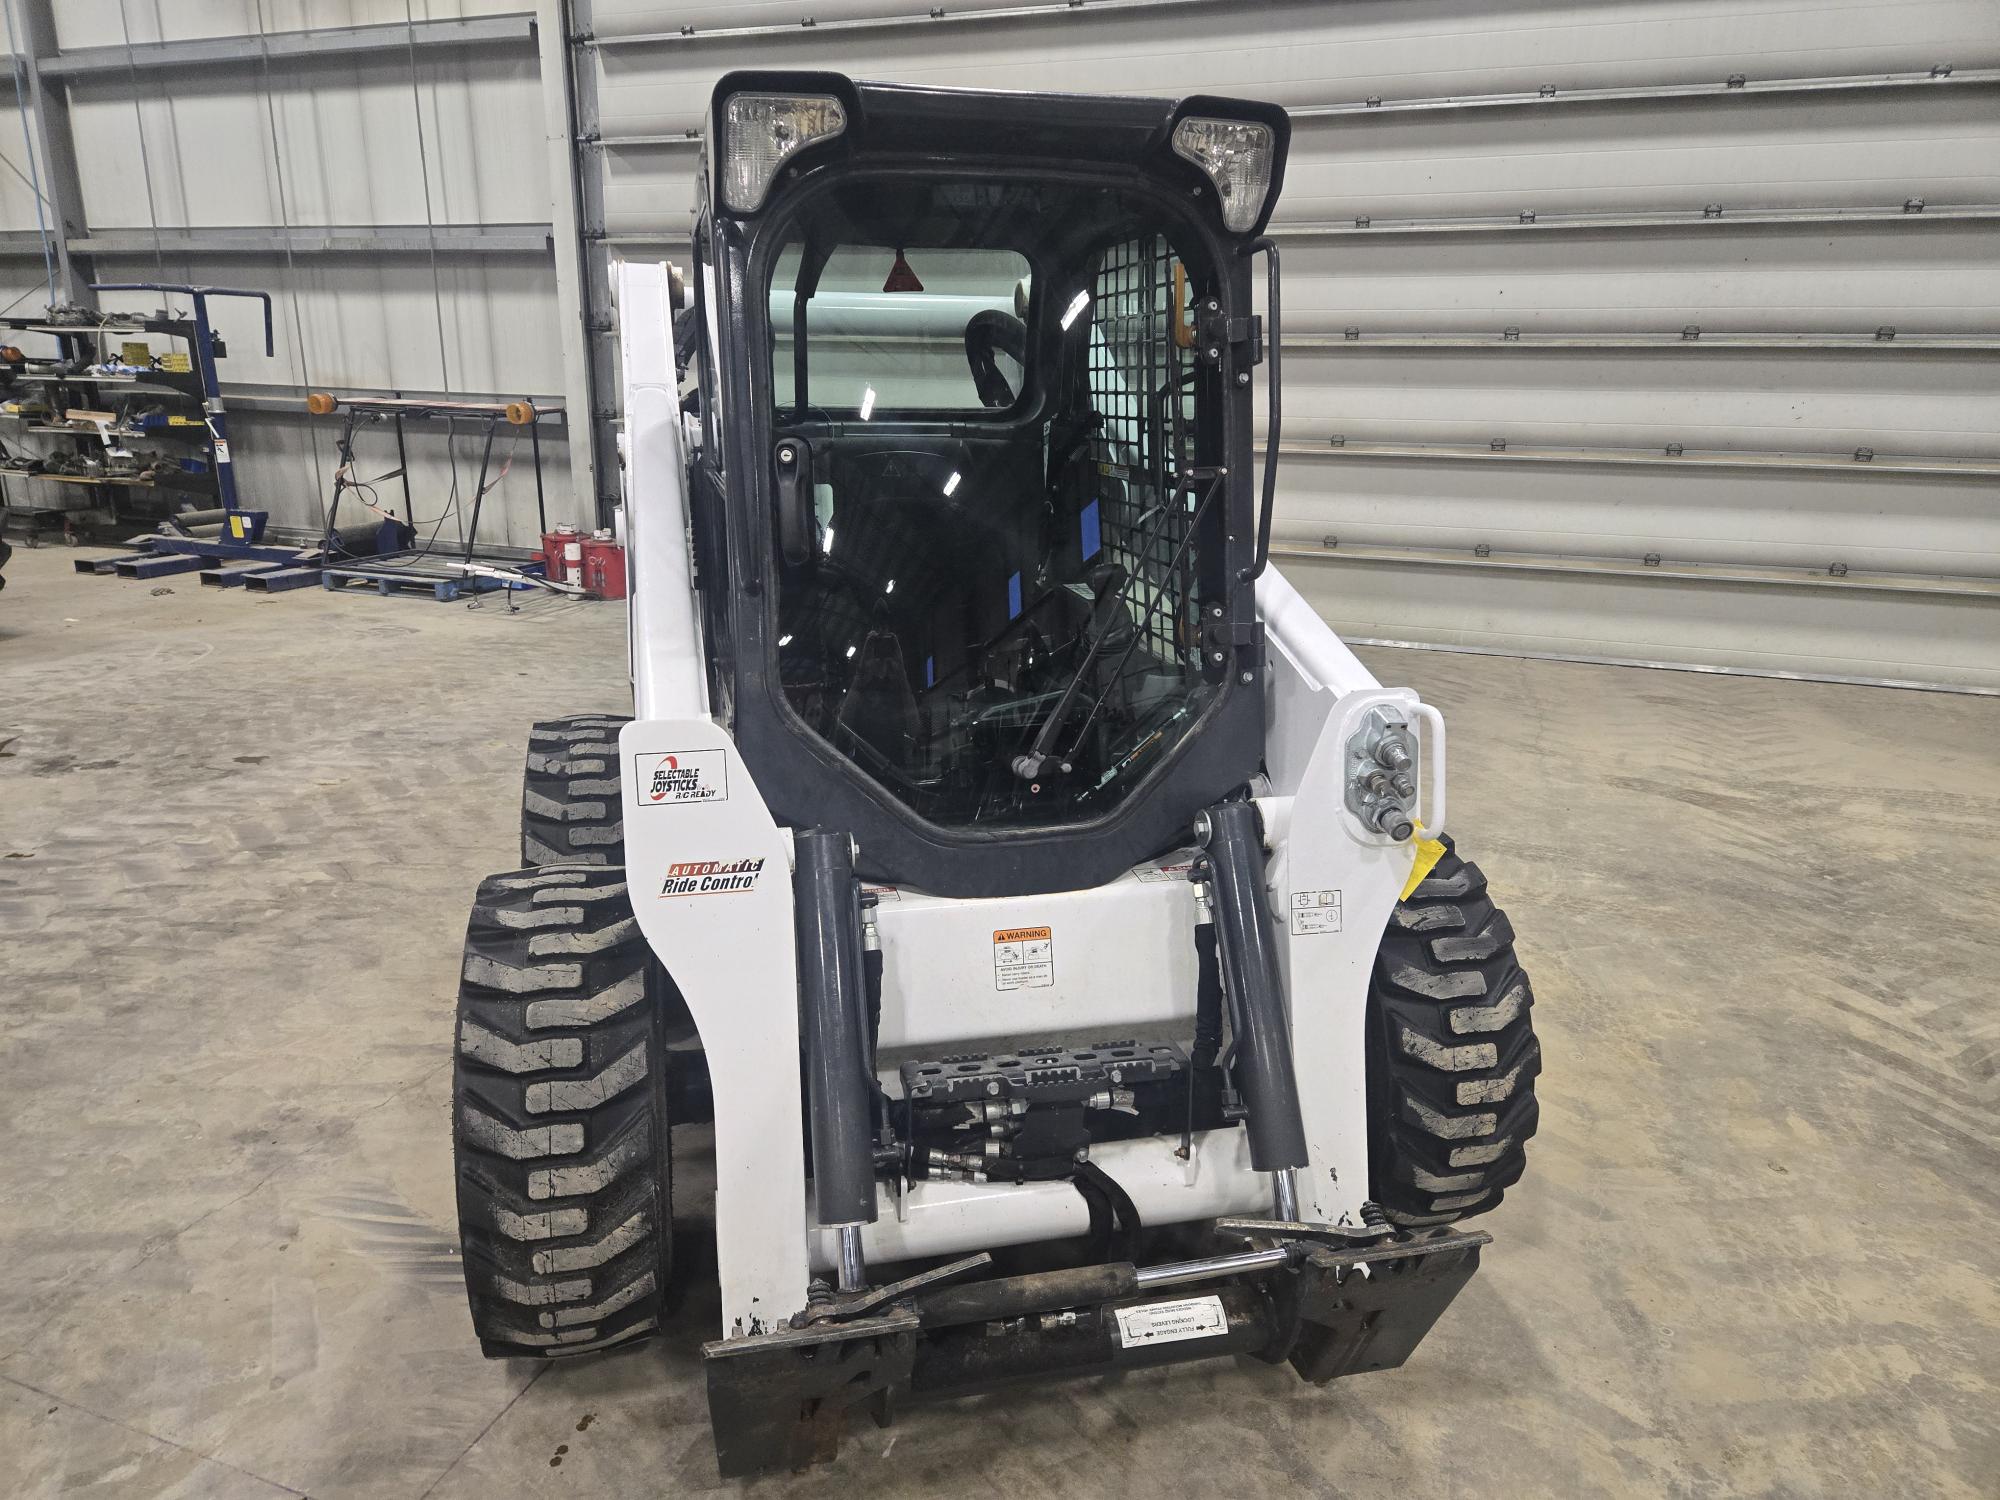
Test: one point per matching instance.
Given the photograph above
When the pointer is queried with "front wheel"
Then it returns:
(1452, 1054)
(565, 1202)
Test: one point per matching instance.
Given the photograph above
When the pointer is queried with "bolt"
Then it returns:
(993, 1087)
(1392, 820)
(1402, 786)
(787, 456)
(1242, 377)
(1247, 678)
(1392, 753)
(1215, 657)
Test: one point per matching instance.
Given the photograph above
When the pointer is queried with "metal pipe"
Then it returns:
(1884, 341)
(1935, 586)
(937, 15)
(1710, 216)
(853, 1273)
(1285, 1195)
(1714, 668)
(1713, 458)
(1152, 1278)
(1735, 87)
(1547, 97)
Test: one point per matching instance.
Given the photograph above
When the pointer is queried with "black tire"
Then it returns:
(1452, 1055)
(559, 1119)
(570, 807)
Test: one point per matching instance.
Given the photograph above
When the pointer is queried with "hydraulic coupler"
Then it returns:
(1261, 1030)
(833, 1020)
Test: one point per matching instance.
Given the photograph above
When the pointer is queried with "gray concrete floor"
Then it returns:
(1754, 1254)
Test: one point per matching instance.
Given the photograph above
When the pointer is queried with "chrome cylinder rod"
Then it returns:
(1181, 1272)
(853, 1273)
(1285, 1194)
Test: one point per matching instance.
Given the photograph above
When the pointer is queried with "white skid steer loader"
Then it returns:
(1078, 975)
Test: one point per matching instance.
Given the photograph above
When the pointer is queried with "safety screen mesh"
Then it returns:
(1141, 387)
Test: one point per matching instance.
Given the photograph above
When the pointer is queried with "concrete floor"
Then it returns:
(1755, 1253)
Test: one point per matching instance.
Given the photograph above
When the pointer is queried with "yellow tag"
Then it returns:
(177, 364)
(236, 529)
(1429, 852)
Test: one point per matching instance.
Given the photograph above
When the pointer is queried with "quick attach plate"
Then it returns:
(1051, 1075)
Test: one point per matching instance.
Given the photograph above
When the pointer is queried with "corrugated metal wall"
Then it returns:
(1588, 305)
(449, 285)
(1642, 329)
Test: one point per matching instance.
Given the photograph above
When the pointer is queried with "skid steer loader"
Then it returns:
(1074, 967)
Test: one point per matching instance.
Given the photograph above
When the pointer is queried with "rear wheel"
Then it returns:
(570, 808)
(1452, 1054)
(560, 1121)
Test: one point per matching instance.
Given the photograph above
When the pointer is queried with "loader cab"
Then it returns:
(975, 506)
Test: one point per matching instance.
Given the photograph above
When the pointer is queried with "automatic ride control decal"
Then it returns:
(680, 777)
(1024, 958)
(1168, 1322)
(712, 877)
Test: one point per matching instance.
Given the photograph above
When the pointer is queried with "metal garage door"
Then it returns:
(1656, 330)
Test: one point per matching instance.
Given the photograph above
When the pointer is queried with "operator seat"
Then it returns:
(880, 707)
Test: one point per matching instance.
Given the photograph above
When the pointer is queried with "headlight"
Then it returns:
(761, 132)
(1237, 156)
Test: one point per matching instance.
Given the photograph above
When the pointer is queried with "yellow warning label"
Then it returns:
(1429, 852)
(1024, 958)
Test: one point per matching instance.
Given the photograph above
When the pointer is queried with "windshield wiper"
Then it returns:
(1039, 756)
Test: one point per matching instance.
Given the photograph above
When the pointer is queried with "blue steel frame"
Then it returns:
(238, 525)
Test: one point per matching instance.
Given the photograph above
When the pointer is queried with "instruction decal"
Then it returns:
(1024, 958)
(684, 776)
(1166, 869)
(1169, 1322)
(1314, 912)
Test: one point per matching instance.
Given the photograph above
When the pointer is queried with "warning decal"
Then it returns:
(1315, 912)
(1024, 958)
(1166, 1322)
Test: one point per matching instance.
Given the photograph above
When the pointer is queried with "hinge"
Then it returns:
(1244, 336)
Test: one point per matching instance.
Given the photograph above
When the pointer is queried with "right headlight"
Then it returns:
(1237, 156)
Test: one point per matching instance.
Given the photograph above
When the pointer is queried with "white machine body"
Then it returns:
(709, 874)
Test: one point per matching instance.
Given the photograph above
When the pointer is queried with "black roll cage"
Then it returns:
(805, 780)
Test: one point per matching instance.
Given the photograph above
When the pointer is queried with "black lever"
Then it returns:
(791, 463)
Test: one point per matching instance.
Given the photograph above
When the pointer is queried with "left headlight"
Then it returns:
(761, 132)
(1237, 156)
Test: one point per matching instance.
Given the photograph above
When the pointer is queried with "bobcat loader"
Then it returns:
(1052, 914)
